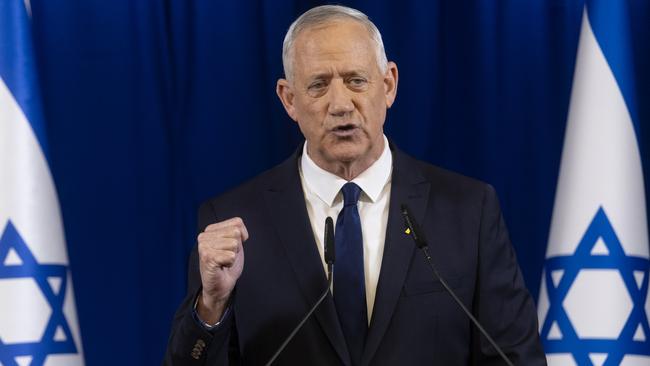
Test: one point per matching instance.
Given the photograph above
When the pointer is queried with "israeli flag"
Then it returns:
(38, 319)
(593, 304)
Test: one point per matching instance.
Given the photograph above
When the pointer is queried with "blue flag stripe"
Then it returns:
(610, 23)
(17, 64)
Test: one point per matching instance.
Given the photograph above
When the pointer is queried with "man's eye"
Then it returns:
(357, 82)
(317, 85)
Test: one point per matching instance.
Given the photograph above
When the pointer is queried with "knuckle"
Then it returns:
(232, 256)
(201, 247)
(203, 252)
(226, 257)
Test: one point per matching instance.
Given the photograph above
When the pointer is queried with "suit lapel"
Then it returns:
(410, 188)
(288, 212)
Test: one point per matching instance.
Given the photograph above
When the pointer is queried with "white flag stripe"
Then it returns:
(601, 164)
(635, 361)
(28, 196)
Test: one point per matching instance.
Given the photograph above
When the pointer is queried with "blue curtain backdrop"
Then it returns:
(154, 106)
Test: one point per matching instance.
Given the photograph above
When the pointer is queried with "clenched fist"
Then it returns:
(221, 260)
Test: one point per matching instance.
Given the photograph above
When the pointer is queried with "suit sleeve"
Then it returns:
(504, 305)
(189, 343)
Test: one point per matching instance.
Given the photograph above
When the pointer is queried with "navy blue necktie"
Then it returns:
(349, 280)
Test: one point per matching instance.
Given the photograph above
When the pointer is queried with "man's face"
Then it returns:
(338, 95)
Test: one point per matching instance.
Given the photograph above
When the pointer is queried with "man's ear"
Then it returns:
(390, 83)
(286, 95)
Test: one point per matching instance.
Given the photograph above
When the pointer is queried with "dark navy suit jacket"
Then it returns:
(414, 321)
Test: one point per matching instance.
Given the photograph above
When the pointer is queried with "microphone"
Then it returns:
(329, 260)
(330, 255)
(413, 229)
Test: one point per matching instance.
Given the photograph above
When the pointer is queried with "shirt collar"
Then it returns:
(327, 185)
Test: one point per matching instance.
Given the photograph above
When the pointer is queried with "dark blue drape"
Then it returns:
(154, 106)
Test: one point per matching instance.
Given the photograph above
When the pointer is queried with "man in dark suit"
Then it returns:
(386, 308)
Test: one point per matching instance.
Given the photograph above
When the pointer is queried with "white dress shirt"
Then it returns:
(323, 198)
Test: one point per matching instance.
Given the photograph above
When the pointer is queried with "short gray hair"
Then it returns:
(322, 15)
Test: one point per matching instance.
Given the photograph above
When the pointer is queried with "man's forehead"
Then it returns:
(340, 42)
(343, 33)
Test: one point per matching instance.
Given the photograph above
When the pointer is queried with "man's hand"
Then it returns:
(221, 260)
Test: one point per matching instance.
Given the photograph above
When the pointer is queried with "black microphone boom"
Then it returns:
(413, 229)
(329, 259)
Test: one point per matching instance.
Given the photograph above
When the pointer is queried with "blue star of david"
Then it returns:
(616, 349)
(40, 273)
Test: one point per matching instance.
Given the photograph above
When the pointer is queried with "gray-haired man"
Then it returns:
(386, 308)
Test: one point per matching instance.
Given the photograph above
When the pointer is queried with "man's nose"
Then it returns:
(340, 99)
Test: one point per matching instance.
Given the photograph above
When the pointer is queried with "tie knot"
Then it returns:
(351, 193)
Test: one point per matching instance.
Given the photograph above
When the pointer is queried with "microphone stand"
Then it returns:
(329, 259)
(413, 229)
(304, 319)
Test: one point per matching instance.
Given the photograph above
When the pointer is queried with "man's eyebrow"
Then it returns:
(347, 74)
(344, 74)
(320, 75)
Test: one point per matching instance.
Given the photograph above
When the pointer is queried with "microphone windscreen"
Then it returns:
(330, 255)
(413, 228)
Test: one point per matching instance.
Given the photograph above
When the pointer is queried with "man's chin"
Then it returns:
(347, 153)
